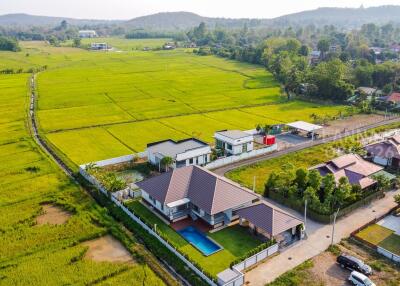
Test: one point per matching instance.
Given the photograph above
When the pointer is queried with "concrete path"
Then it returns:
(391, 222)
(319, 238)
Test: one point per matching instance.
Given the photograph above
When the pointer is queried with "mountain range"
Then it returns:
(344, 17)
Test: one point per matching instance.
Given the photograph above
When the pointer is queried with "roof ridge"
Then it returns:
(169, 184)
(215, 190)
(226, 180)
(190, 183)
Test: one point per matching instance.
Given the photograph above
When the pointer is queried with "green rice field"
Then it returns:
(48, 254)
(97, 105)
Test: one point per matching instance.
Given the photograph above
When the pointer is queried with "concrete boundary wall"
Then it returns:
(388, 254)
(232, 159)
(248, 262)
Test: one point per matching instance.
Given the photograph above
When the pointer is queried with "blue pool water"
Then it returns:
(199, 240)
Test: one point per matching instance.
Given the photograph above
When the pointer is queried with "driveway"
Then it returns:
(391, 222)
(318, 240)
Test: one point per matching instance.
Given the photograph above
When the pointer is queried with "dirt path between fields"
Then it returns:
(53, 215)
(107, 248)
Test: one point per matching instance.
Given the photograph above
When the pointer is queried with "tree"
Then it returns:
(301, 179)
(342, 192)
(304, 50)
(397, 199)
(310, 194)
(8, 44)
(77, 42)
(323, 46)
(382, 182)
(167, 162)
(272, 183)
(328, 187)
(314, 179)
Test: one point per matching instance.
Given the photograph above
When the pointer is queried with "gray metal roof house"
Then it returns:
(183, 153)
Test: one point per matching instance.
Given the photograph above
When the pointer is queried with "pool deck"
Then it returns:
(199, 224)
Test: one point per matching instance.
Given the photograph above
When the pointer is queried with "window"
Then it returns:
(219, 144)
(229, 146)
(191, 161)
(153, 200)
(244, 149)
(181, 207)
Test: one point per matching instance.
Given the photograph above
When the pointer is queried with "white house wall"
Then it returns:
(194, 153)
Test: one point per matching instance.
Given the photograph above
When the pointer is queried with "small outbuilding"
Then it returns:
(309, 128)
(87, 34)
(271, 222)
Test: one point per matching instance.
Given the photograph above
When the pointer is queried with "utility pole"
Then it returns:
(305, 216)
(334, 223)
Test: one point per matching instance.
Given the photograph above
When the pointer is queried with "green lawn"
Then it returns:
(235, 240)
(391, 243)
(381, 236)
(375, 234)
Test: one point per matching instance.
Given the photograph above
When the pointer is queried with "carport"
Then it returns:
(305, 127)
(271, 222)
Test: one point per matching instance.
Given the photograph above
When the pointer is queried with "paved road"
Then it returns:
(318, 240)
(223, 170)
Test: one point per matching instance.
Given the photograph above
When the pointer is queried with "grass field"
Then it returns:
(93, 106)
(300, 159)
(116, 103)
(32, 254)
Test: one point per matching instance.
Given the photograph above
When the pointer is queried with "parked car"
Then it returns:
(353, 263)
(359, 279)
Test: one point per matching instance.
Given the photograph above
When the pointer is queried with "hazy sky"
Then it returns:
(126, 9)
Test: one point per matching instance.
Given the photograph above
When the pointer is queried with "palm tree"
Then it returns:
(167, 162)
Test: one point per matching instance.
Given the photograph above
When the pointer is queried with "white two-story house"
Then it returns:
(234, 142)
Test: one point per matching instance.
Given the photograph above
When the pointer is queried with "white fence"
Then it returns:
(248, 262)
(146, 227)
(388, 254)
(231, 159)
(117, 160)
(257, 257)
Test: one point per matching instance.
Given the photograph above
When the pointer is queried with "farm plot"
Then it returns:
(33, 253)
(130, 99)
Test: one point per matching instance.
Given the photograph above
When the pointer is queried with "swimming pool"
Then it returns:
(199, 240)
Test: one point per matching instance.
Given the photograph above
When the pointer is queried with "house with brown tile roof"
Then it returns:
(270, 221)
(356, 169)
(385, 153)
(195, 192)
